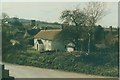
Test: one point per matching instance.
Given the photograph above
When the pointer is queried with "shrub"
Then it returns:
(94, 63)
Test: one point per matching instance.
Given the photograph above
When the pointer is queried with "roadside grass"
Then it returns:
(73, 62)
(31, 51)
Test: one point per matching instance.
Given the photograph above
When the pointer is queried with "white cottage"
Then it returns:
(43, 39)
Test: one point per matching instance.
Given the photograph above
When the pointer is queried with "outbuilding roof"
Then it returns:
(70, 44)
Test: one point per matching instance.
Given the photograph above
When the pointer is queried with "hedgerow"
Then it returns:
(94, 63)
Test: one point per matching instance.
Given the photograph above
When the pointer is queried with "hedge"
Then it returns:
(94, 63)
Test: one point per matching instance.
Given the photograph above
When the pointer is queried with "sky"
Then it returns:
(51, 11)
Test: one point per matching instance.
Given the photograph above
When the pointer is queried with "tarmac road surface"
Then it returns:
(20, 71)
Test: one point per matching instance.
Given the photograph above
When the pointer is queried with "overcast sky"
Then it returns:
(51, 11)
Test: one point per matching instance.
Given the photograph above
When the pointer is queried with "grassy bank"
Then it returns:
(74, 62)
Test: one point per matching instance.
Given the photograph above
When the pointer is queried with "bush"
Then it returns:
(94, 63)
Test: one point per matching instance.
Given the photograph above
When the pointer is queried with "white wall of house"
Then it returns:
(38, 46)
(47, 44)
(35, 43)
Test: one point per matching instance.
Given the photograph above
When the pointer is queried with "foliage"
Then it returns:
(74, 17)
(77, 62)
(16, 22)
(84, 22)
(99, 31)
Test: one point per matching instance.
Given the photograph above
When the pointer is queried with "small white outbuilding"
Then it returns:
(70, 47)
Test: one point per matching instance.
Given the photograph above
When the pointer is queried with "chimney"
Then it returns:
(62, 26)
(110, 29)
(33, 23)
(45, 28)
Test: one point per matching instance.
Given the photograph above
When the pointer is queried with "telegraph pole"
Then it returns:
(88, 44)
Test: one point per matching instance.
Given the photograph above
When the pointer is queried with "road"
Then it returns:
(19, 71)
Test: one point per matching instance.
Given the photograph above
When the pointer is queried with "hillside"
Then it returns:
(39, 24)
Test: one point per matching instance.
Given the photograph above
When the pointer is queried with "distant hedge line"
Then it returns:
(105, 64)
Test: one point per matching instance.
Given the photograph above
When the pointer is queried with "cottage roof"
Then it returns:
(47, 34)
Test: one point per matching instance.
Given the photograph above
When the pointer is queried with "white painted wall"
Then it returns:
(47, 44)
(38, 46)
(69, 49)
(35, 43)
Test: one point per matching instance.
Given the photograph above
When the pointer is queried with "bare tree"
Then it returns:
(94, 11)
